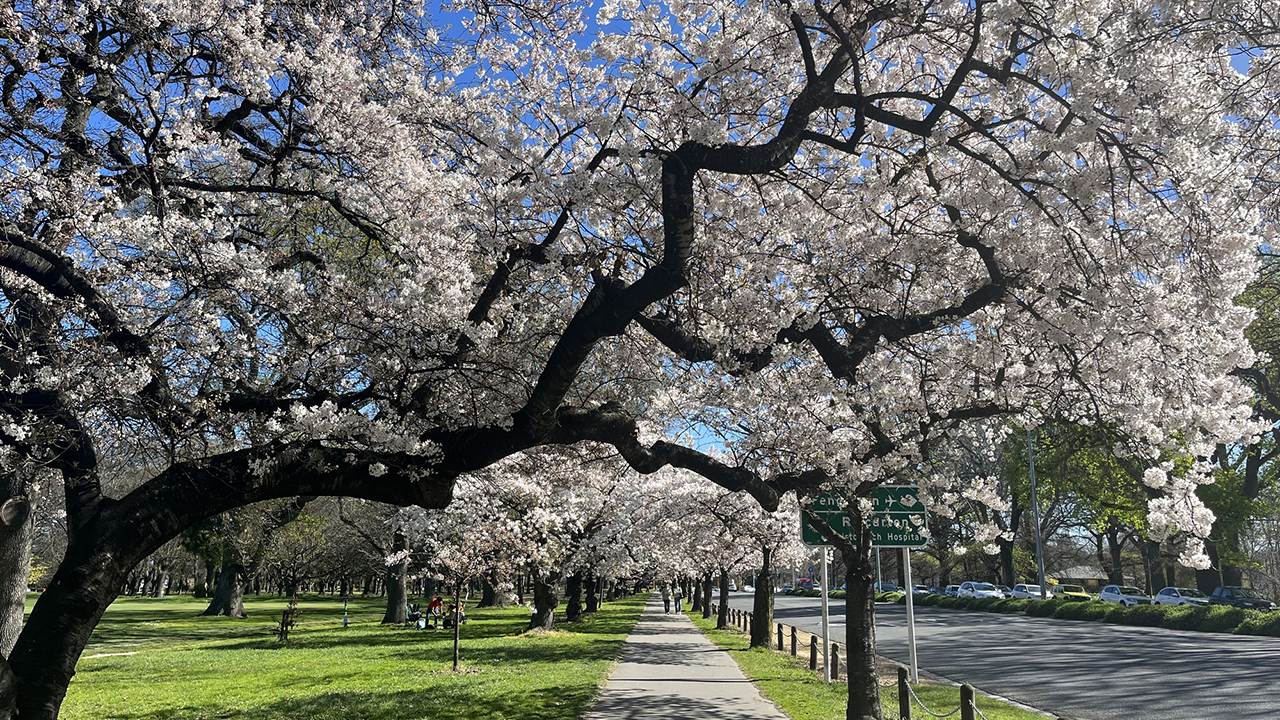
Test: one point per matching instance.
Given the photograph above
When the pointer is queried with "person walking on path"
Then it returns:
(678, 594)
(666, 598)
(669, 669)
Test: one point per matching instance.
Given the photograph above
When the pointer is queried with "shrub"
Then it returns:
(1093, 610)
(1043, 608)
(983, 604)
(928, 600)
(1213, 618)
(1260, 623)
(951, 602)
(837, 594)
(1008, 605)
(1139, 615)
(1015, 605)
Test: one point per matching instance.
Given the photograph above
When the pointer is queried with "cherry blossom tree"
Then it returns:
(338, 249)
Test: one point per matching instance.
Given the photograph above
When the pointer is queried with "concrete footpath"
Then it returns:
(669, 669)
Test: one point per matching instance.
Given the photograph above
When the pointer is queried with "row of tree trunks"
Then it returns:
(397, 579)
(762, 608)
(545, 600)
(722, 617)
(593, 594)
(706, 595)
(573, 593)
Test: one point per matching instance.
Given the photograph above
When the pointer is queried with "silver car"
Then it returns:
(979, 590)
(1030, 592)
(1125, 595)
(1181, 596)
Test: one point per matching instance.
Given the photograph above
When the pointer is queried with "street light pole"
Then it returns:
(1035, 512)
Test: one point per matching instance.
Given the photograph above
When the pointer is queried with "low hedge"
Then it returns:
(1093, 610)
(1260, 623)
(1043, 608)
(1211, 618)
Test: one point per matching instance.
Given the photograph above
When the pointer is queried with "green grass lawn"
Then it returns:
(802, 694)
(153, 659)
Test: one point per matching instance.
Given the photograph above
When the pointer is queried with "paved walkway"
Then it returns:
(668, 669)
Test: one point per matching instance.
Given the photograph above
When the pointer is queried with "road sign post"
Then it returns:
(897, 520)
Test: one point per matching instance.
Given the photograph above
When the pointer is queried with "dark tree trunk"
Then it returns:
(593, 594)
(860, 627)
(204, 586)
(722, 617)
(488, 593)
(697, 595)
(397, 578)
(228, 595)
(1153, 563)
(706, 595)
(573, 612)
(545, 601)
(1115, 573)
(17, 523)
(762, 609)
(161, 583)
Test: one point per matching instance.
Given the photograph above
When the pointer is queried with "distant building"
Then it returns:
(1087, 575)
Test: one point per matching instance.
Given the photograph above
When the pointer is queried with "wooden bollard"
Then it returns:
(813, 653)
(966, 702)
(904, 695)
(746, 622)
(779, 636)
(794, 638)
(835, 661)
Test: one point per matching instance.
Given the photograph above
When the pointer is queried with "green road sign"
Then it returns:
(897, 518)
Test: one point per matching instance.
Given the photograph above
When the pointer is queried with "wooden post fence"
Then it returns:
(966, 702)
(835, 661)
(793, 641)
(813, 653)
(904, 695)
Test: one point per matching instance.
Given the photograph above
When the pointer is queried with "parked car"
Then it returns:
(1071, 593)
(1125, 595)
(1181, 596)
(884, 587)
(1030, 592)
(952, 591)
(979, 590)
(1241, 597)
(1005, 590)
(748, 588)
(733, 586)
(921, 590)
(786, 587)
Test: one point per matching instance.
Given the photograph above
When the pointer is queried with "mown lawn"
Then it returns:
(802, 694)
(157, 659)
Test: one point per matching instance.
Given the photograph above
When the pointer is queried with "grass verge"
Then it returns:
(157, 659)
(802, 694)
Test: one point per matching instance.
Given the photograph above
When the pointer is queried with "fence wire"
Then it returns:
(926, 709)
(975, 709)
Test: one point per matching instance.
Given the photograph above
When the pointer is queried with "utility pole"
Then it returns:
(1035, 512)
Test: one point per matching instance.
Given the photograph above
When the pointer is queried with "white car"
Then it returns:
(1029, 592)
(748, 588)
(1125, 595)
(1181, 596)
(979, 590)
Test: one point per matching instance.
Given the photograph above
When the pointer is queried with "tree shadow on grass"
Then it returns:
(446, 701)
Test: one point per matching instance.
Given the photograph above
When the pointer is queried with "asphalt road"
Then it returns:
(1078, 670)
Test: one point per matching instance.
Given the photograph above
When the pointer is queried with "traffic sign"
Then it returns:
(897, 517)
